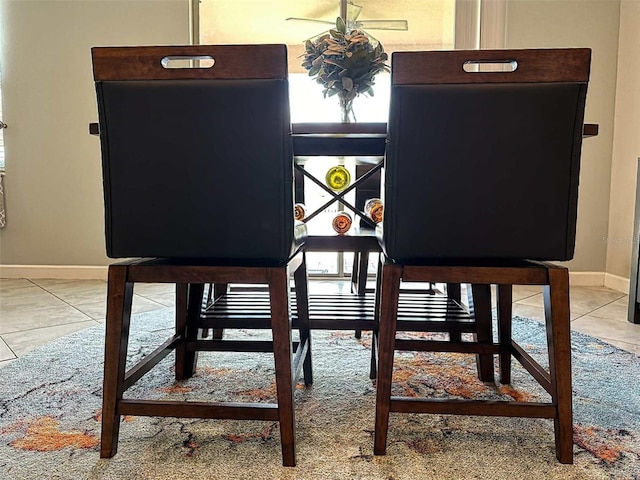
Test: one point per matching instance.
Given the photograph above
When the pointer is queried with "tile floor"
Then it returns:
(36, 311)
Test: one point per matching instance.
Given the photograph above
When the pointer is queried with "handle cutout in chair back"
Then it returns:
(190, 62)
(187, 61)
(439, 67)
(488, 66)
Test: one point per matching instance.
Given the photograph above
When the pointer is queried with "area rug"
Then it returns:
(50, 416)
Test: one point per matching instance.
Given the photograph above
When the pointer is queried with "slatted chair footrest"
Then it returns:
(418, 311)
(182, 409)
(326, 312)
(491, 408)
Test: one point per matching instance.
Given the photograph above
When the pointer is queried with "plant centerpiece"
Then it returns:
(345, 62)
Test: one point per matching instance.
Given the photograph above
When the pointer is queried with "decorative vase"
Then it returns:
(346, 109)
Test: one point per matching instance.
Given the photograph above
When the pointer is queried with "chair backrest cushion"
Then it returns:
(198, 164)
(484, 164)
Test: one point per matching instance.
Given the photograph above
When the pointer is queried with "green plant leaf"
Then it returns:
(347, 83)
(341, 26)
(333, 61)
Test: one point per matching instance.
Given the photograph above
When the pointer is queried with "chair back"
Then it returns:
(197, 159)
(483, 154)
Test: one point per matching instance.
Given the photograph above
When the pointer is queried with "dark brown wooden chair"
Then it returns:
(198, 171)
(481, 186)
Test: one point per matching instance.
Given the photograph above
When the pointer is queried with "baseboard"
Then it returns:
(599, 279)
(586, 279)
(616, 282)
(63, 272)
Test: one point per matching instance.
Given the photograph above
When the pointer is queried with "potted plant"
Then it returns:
(345, 64)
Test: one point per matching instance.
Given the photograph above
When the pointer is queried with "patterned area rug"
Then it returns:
(50, 416)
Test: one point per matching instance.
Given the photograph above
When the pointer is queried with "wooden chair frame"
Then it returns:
(561, 66)
(557, 382)
(232, 62)
(189, 280)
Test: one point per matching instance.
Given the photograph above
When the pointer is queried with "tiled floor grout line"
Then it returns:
(62, 300)
(89, 319)
(52, 326)
(524, 298)
(70, 305)
(15, 355)
(150, 300)
(596, 309)
(105, 299)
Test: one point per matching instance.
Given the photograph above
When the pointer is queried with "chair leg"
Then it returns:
(390, 292)
(194, 307)
(302, 302)
(281, 328)
(363, 269)
(359, 272)
(454, 293)
(556, 307)
(219, 289)
(355, 269)
(376, 322)
(504, 299)
(484, 329)
(182, 295)
(359, 277)
(119, 299)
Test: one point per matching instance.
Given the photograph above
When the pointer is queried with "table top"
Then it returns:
(355, 139)
(352, 130)
(373, 129)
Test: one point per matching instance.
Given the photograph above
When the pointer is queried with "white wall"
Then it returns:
(581, 23)
(626, 143)
(53, 173)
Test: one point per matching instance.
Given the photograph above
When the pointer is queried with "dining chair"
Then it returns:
(197, 174)
(481, 188)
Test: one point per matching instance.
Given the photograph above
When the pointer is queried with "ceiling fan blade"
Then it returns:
(310, 20)
(353, 11)
(383, 25)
